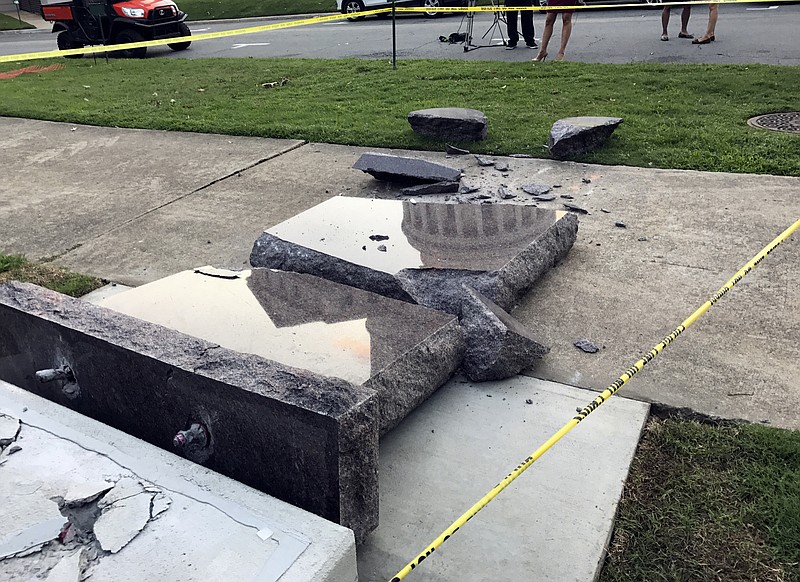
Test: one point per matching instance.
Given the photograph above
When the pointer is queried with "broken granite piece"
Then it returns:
(307, 439)
(404, 352)
(435, 188)
(505, 194)
(499, 250)
(545, 198)
(575, 208)
(468, 189)
(575, 136)
(396, 168)
(498, 346)
(587, 346)
(450, 124)
(536, 189)
(484, 162)
(501, 166)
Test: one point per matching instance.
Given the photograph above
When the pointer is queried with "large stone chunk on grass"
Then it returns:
(498, 346)
(409, 170)
(450, 124)
(575, 136)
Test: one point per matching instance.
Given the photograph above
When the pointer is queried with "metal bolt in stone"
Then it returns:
(195, 434)
(51, 374)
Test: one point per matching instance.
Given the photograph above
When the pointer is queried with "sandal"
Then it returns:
(703, 40)
(664, 37)
(687, 35)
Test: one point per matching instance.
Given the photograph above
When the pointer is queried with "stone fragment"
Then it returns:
(14, 449)
(545, 198)
(450, 124)
(587, 346)
(575, 208)
(467, 189)
(505, 194)
(9, 429)
(378, 237)
(567, 196)
(484, 162)
(397, 168)
(575, 136)
(536, 189)
(382, 248)
(125, 510)
(620, 224)
(435, 188)
(642, 239)
(454, 151)
(586, 180)
(498, 346)
(521, 156)
(501, 166)
(605, 210)
(84, 492)
(67, 570)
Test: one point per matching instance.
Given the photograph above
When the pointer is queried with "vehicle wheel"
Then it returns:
(125, 37)
(65, 41)
(353, 7)
(432, 8)
(654, 1)
(182, 46)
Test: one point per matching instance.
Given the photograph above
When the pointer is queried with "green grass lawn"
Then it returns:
(676, 116)
(709, 502)
(17, 268)
(9, 23)
(212, 9)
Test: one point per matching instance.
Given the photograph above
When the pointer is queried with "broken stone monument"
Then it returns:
(305, 438)
(498, 346)
(450, 124)
(431, 251)
(399, 169)
(401, 351)
(572, 137)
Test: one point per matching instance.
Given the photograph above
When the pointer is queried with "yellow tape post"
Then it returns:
(334, 17)
(596, 403)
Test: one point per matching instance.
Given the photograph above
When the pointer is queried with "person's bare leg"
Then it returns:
(665, 22)
(713, 12)
(687, 11)
(546, 34)
(566, 31)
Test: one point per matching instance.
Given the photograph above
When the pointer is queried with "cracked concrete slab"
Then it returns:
(125, 511)
(215, 528)
(9, 429)
(115, 175)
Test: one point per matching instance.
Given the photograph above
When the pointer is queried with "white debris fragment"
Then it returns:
(265, 533)
(67, 570)
(125, 512)
(9, 429)
(85, 492)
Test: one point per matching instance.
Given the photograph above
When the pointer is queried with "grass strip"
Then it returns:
(214, 9)
(18, 268)
(705, 502)
(11, 23)
(676, 116)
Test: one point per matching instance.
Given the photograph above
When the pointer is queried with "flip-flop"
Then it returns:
(687, 35)
(664, 37)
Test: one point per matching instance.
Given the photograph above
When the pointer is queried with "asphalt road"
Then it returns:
(746, 33)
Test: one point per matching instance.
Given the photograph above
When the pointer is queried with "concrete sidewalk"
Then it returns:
(132, 206)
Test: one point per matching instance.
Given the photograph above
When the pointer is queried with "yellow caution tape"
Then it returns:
(335, 17)
(596, 403)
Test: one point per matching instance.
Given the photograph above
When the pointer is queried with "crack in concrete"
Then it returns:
(124, 223)
(671, 264)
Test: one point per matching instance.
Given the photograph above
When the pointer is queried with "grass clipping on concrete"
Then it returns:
(676, 116)
(17, 268)
(707, 502)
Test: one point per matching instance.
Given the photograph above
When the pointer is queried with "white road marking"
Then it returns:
(768, 8)
(250, 44)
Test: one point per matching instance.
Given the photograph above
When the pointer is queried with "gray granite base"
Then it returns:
(302, 437)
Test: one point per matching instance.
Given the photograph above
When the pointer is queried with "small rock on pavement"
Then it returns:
(389, 167)
(572, 137)
(620, 224)
(450, 124)
(505, 194)
(536, 189)
(484, 162)
(498, 346)
(642, 239)
(382, 248)
(574, 208)
(587, 346)
(435, 188)
(501, 166)
(454, 151)
(528, 401)
(378, 237)
(467, 189)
